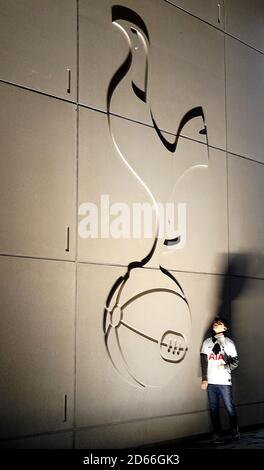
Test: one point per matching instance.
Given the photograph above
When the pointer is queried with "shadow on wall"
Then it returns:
(238, 266)
(246, 312)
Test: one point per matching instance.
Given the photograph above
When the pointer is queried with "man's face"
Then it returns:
(218, 327)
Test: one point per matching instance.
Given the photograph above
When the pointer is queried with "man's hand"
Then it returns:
(222, 364)
(204, 385)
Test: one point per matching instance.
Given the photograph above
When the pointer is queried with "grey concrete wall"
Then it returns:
(73, 372)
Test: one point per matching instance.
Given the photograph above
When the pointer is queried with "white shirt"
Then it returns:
(217, 374)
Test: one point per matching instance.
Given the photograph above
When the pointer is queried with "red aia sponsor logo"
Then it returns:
(216, 357)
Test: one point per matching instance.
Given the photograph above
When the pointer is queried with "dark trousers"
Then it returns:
(215, 392)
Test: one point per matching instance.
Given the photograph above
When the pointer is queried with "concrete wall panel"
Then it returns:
(128, 163)
(34, 53)
(121, 373)
(244, 20)
(38, 175)
(245, 102)
(246, 216)
(37, 345)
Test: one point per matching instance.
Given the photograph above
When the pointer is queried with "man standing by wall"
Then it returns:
(218, 358)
